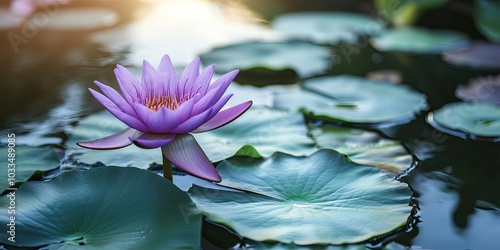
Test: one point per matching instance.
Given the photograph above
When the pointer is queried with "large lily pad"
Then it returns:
(258, 133)
(103, 208)
(104, 124)
(482, 89)
(364, 147)
(474, 120)
(306, 59)
(478, 55)
(353, 99)
(27, 161)
(486, 14)
(420, 40)
(327, 27)
(320, 199)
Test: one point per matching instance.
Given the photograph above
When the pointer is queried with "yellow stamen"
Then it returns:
(155, 101)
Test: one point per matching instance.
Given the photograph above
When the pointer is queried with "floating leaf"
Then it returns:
(353, 99)
(483, 89)
(364, 147)
(103, 208)
(104, 124)
(327, 27)
(27, 160)
(320, 199)
(486, 14)
(420, 40)
(258, 133)
(474, 120)
(306, 59)
(479, 55)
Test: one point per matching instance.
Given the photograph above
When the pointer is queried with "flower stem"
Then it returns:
(167, 168)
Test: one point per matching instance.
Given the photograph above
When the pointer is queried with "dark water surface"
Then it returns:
(44, 83)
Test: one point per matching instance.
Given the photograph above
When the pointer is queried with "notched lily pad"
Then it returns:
(306, 59)
(353, 99)
(420, 40)
(478, 55)
(327, 27)
(258, 133)
(364, 147)
(482, 89)
(477, 121)
(27, 160)
(320, 199)
(103, 208)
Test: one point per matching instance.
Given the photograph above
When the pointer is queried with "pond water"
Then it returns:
(44, 80)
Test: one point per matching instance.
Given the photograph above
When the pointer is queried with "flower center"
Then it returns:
(155, 101)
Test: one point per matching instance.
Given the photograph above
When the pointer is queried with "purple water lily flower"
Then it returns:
(163, 111)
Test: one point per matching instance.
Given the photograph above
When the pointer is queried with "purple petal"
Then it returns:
(131, 121)
(192, 123)
(224, 117)
(142, 112)
(224, 80)
(167, 74)
(203, 81)
(188, 77)
(186, 154)
(118, 140)
(115, 97)
(163, 120)
(127, 82)
(150, 80)
(219, 105)
(216, 90)
(151, 140)
(184, 110)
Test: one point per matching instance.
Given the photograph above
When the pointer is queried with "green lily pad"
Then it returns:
(306, 59)
(27, 161)
(327, 27)
(364, 147)
(103, 208)
(474, 120)
(478, 55)
(486, 14)
(103, 124)
(258, 133)
(354, 100)
(321, 199)
(420, 40)
(482, 89)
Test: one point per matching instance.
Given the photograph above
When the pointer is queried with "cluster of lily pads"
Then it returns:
(306, 168)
